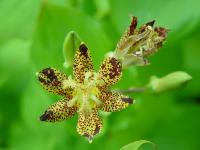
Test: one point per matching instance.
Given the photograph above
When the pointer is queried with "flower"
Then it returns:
(136, 45)
(86, 93)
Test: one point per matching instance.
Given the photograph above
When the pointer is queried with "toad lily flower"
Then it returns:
(86, 93)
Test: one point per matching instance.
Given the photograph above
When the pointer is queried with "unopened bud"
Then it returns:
(169, 82)
(70, 45)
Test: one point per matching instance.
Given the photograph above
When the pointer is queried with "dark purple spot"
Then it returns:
(116, 68)
(83, 49)
(46, 71)
(96, 130)
(47, 115)
(127, 100)
(42, 80)
(50, 75)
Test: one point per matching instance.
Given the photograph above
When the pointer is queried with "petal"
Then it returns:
(110, 71)
(130, 31)
(89, 124)
(82, 63)
(131, 27)
(114, 101)
(58, 112)
(52, 80)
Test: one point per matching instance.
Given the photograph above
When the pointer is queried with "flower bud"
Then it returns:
(71, 44)
(169, 82)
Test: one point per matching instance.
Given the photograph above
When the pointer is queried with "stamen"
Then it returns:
(87, 76)
(72, 102)
(69, 83)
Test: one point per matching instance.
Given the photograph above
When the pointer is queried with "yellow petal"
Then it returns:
(52, 80)
(58, 112)
(114, 101)
(82, 63)
(89, 124)
(110, 71)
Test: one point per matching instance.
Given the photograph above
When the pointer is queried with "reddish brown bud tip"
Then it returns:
(162, 32)
(133, 25)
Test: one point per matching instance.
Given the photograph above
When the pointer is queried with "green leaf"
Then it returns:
(70, 45)
(137, 144)
(18, 18)
(156, 9)
(57, 2)
(103, 8)
(14, 60)
(55, 22)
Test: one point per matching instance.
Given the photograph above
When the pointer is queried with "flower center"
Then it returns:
(85, 94)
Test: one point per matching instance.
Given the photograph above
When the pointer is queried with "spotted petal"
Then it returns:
(82, 63)
(58, 112)
(112, 102)
(110, 71)
(52, 80)
(89, 124)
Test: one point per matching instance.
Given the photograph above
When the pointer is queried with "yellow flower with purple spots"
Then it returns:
(85, 93)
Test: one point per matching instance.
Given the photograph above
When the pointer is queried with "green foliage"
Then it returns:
(136, 145)
(32, 33)
(17, 19)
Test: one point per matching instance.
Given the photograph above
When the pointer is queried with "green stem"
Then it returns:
(131, 90)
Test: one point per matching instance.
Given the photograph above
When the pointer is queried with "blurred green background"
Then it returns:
(31, 38)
